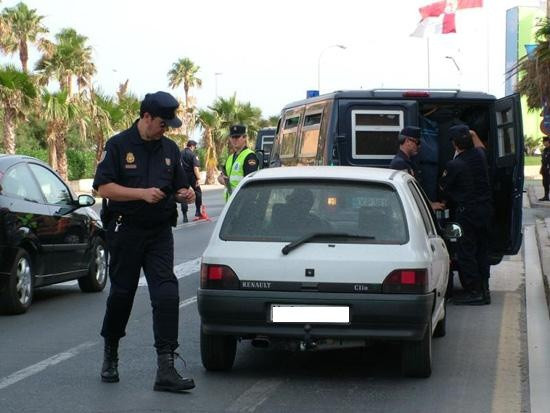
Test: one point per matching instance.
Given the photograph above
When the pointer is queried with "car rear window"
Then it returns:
(288, 210)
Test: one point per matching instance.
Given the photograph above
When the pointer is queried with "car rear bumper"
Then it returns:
(372, 316)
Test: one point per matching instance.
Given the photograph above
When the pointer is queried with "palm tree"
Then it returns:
(16, 94)
(103, 114)
(184, 72)
(535, 82)
(209, 121)
(60, 112)
(24, 26)
(69, 57)
(128, 105)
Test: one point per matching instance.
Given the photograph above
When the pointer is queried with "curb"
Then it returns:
(533, 197)
(543, 243)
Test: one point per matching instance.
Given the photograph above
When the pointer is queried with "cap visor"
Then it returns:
(175, 122)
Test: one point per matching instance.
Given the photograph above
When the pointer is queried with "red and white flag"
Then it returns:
(439, 17)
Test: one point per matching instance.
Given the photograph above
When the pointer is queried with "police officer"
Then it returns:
(242, 162)
(191, 166)
(140, 174)
(545, 167)
(409, 145)
(466, 192)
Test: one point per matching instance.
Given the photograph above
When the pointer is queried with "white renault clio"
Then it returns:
(321, 257)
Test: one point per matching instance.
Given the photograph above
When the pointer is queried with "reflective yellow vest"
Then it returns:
(235, 171)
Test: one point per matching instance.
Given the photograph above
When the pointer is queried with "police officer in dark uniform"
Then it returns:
(141, 176)
(191, 166)
(545, 167)
(409, 145)
(466, 192)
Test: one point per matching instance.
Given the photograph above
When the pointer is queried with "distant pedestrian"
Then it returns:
(242, 162)
(545, 167)
(191, 166)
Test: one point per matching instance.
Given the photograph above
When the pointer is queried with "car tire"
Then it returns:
(417, 355)
(441, 326)
(217, 351)
(18, 293)
(96, 279)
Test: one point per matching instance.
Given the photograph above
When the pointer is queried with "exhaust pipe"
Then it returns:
(261, 342)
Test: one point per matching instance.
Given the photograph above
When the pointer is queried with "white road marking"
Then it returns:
(189, 301)
(181, 270)
(251, 399)
(44, 364)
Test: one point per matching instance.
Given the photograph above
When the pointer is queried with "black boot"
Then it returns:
(168, 378)
(475, 295)
(485, 290)
(185, 219)
(109, 370)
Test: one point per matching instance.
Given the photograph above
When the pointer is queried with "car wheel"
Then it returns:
(17, 296)
(217, 351)
(417, 355)
(441, 326)
(96, 279)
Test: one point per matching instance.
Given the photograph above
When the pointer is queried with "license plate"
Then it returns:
(281, 313)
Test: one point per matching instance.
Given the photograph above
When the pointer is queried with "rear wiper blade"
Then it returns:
(306, 238)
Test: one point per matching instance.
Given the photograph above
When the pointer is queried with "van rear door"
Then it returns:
(507, 177)
(368, 129)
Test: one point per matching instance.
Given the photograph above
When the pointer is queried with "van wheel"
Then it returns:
(17, 296)
(441, 326)
(217, 351)
(416, 356)
(96, 279)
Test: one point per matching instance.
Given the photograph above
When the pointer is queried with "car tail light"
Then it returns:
(412, 281)
(219, 277)
(416, 94)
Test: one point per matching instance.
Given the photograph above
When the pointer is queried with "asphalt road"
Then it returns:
(50, 357)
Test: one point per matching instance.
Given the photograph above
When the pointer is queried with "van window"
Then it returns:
(286, 210)
(506, 133)
(288, 137)
(375, 133)
(310, 135)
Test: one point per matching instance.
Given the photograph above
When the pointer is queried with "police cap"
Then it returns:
(459, 132)
(163, 105)
(237, 130)
(412, 132)
(191, 142)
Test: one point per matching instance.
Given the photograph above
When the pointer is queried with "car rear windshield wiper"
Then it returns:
(331, 235)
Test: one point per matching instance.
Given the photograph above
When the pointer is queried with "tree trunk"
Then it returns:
(100, 142)
(211, 159)
(9, 130)
(24, 55)
(61, 146)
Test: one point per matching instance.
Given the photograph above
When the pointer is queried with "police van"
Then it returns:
(264, 142)
(361, 128)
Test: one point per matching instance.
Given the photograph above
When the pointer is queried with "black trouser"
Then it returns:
(198, 199)
(132, 248)
(546, 183)
(473, 246)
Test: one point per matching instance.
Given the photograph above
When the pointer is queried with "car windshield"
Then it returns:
(286, 211)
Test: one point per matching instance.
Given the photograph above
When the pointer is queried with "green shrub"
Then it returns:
(38, 153)
(81, 164)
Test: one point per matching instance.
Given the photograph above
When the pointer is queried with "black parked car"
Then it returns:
(47, 234)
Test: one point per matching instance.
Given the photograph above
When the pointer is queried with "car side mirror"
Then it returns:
(452, 231)
(85, 200)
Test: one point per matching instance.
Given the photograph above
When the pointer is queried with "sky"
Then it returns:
(271, 52)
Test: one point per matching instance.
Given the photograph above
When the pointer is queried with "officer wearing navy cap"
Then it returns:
(141, 176)
(545, 168)
(242, 162)
(409, 145)
(466, 192)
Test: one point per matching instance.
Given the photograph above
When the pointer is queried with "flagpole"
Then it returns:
(487, 31)
(428, 56)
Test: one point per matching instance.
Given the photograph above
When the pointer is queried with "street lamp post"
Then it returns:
(319, 63)
(216, 82)
(457, 68)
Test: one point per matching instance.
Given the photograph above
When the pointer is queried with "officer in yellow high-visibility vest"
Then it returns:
(242, 162)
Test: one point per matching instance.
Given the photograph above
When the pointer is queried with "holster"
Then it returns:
(105, 214)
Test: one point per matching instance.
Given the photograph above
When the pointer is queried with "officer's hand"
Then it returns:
(152, 195)
(185, 195)
(437, 205)
(222, 179)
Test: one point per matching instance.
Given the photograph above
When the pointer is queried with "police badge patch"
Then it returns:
(168, 161)
(130, 157)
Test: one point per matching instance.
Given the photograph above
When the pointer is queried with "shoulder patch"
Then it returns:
(252, 162)
(444, 173)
